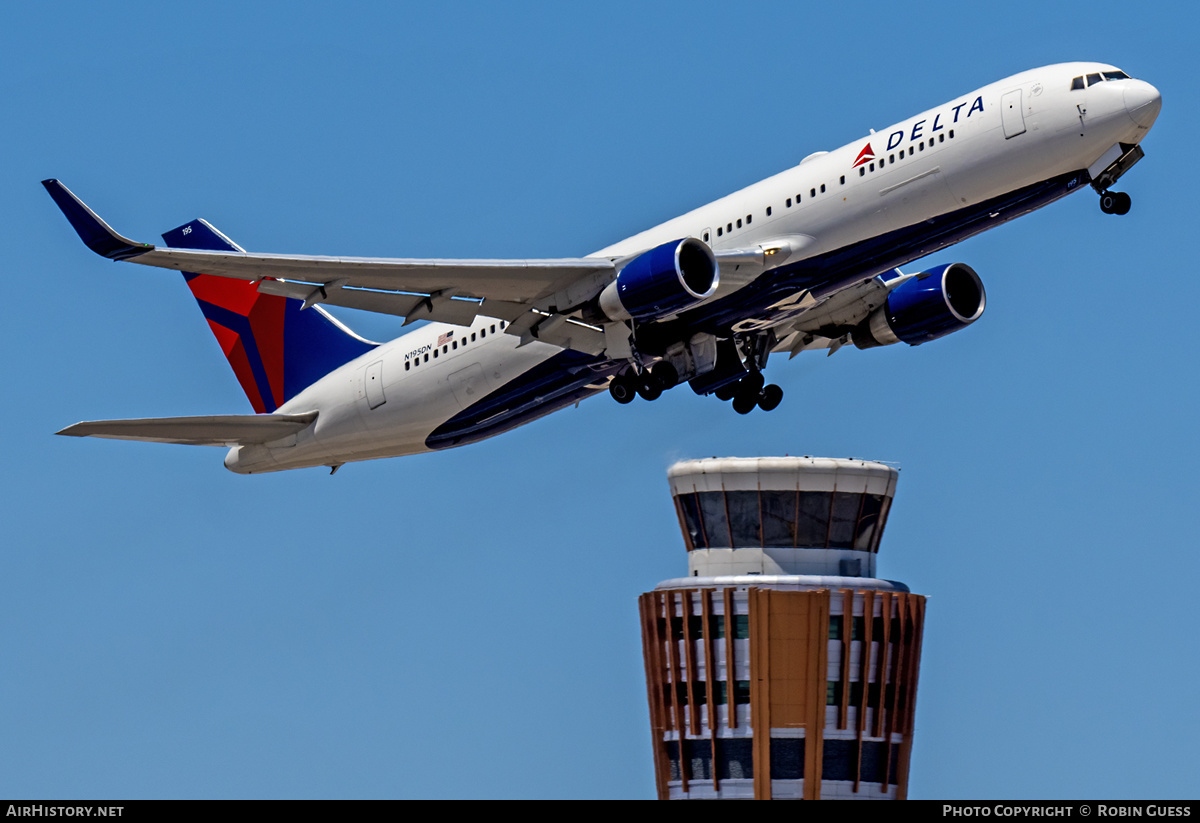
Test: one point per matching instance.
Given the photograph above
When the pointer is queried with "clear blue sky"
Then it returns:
(464, 624)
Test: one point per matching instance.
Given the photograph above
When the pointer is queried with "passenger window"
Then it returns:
(472, 337)
(789, 202)
(862, 170)
(493, 328)
(435, 354)
(720, 231)
(427, 358)
(445, 349)
(407, 365)
(822, 188)
(843, 180)
(706, 236)
(748, 216)
(768, 211)
(454, 344)
(812, 192)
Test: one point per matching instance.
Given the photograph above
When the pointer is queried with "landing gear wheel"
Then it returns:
(1115, 202)
(621, 388)
(748, 390)
(770, 398)
(648, 386)
(726, 392)
(666, 374)
(743, 404)
(751, 385)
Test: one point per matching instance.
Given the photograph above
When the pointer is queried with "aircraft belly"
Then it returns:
(554, 379)
(423, 399)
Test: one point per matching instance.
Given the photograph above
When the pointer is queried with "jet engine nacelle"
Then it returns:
(931, 305)
(662, 281)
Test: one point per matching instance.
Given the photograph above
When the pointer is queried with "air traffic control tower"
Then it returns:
(781, 667)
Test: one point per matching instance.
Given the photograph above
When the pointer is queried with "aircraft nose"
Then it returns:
(1142, 102)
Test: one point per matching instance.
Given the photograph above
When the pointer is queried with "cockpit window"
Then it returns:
(1093, 79)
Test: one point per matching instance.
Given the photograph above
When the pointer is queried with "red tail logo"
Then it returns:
(866, 154)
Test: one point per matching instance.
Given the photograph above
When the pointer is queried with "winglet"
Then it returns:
(94, 232)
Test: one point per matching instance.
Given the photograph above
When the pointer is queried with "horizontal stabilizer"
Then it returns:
(204, 430)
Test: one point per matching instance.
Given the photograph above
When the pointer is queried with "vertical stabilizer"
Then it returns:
(275, 349)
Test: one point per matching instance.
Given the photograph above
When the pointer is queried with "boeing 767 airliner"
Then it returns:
(806, 259)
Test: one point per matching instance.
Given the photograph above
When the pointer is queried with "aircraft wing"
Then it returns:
(825, 323)
(534, 296)
(453, 291)
(207, 430)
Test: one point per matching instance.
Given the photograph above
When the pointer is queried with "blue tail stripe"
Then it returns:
(237, 323)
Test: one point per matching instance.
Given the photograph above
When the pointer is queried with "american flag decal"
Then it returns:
(445, 338)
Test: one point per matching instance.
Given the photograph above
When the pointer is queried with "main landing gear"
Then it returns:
(649, 383)
(746, 394)
(741, 364)
(1115, 202)
(750, 392)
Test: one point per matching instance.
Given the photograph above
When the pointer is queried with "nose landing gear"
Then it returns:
(1115, 202)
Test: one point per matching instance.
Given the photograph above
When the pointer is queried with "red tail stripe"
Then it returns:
(266, 318)
(235, 295)
(235, 353)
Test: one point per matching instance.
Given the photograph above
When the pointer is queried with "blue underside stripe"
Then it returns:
(515, 404)
(551, 385)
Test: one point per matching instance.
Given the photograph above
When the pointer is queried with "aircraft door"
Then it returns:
(373, 380)
(1011, 114)
(469, 385)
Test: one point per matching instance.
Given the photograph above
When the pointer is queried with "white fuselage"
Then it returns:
(1017, 132)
